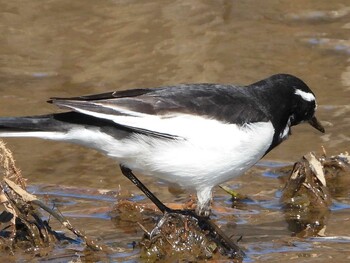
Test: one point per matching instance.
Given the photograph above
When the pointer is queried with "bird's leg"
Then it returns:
(129, 174)
(162, 207)
(203, 221)
(203, 205)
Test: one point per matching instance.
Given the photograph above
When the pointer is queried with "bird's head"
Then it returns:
(304, 105)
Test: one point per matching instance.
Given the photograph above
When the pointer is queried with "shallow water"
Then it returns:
(69, 48)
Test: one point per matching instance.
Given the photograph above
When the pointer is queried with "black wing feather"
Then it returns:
(107, 95)
(227, 103)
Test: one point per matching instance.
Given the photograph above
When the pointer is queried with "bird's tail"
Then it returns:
(43, 126)
(68, 126)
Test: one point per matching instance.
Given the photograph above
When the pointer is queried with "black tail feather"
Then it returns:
(30, 123)
(60, 122)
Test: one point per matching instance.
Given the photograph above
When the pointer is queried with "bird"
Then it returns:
(195, 135)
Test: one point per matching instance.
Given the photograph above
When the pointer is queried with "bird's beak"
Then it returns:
(316, 124)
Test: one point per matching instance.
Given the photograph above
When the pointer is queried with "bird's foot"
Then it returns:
(205, 224)
(187, 212)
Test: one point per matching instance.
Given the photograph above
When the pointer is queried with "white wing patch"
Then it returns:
(305, 95)
(174, 124)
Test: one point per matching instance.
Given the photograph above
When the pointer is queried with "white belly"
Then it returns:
(212, 153)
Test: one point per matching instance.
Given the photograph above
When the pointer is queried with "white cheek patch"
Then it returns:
(305, 95)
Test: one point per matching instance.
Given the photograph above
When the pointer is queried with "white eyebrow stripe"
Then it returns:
(305, 95)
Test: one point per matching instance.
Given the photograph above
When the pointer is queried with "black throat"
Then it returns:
(276, 101)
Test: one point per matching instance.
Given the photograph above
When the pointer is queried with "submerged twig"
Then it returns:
(64, 221)
(21, 205)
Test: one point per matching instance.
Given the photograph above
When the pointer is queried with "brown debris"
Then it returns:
(337, 173)
(306, 186)
(177, 236)
(8, 167)
(21, 223)
(307, 195)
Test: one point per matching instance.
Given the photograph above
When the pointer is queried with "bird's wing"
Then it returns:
(160, 111)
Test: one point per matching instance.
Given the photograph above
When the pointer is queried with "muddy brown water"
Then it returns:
(69, 48)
